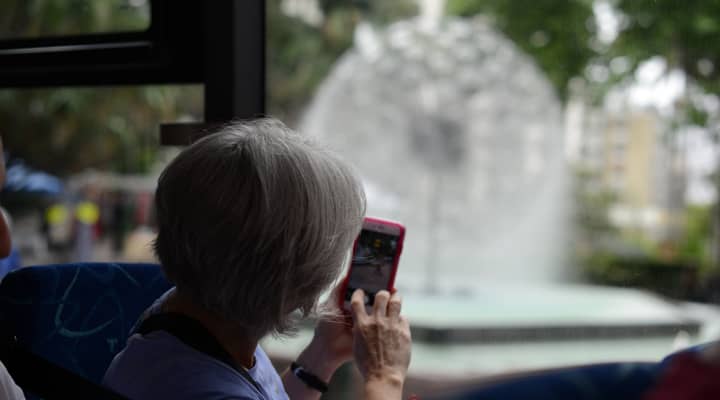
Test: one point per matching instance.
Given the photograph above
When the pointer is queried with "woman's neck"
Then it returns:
(240, 347)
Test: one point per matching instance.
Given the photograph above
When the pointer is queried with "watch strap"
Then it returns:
(309, 379)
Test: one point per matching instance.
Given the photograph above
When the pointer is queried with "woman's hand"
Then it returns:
(332, 344)
(381, 344)
(331, 347)
(334, 335)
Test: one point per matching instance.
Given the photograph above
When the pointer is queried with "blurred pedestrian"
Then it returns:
(87, 215)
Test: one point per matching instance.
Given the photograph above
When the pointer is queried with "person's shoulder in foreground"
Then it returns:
(8, 389)
(690, 376)
(159, 366)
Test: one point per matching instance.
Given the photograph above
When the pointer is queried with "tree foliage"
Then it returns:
(685, 33)
(33, 18)
(300, 55)
(557, 34)
(71, 129)
(67, 130)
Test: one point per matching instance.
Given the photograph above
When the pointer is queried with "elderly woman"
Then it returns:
(254, 223)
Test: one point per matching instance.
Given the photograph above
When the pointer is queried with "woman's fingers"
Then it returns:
(381, 302)
(382, 340)
(385, 304)
(357, 305)
(394, 305)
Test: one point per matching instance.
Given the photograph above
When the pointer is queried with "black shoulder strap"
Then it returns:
(195, 335)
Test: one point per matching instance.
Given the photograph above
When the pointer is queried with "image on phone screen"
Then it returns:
(372, 264)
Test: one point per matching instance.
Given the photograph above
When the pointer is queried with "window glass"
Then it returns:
(41, 18)
(82, 166)
(555, 167)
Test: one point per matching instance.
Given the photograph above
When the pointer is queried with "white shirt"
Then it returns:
(8, 389)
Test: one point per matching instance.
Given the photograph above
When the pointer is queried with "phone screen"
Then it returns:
(372, 264)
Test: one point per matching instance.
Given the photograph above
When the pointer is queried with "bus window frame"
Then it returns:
(218, 43)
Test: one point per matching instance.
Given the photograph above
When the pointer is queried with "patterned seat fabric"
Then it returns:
(10, 263)
(78, 315)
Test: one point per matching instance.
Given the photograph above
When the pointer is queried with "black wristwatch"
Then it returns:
(308, 378)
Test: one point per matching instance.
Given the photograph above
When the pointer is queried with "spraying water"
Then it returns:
(458, 135)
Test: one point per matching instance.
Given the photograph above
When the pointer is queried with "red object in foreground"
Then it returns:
(687, 378)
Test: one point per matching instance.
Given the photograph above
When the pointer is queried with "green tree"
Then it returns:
(67, 130)
(557, 34)
(300, 56)
(71, 129)
(695, 245)
(33, 18)
(685, 33)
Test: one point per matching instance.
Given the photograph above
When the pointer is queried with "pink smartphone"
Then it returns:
(376, 255)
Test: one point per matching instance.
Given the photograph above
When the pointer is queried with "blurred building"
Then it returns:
(629, 154)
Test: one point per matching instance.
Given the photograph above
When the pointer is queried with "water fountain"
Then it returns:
(458, 134)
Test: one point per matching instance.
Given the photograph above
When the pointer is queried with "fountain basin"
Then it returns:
(540, 312)
(503, 328)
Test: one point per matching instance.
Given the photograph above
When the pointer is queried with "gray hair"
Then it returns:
(255, 221)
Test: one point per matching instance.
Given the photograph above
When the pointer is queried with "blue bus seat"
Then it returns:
(10, 263)
(617, 381)
(77, 316)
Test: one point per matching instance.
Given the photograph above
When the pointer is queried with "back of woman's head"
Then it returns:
(255, 221)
